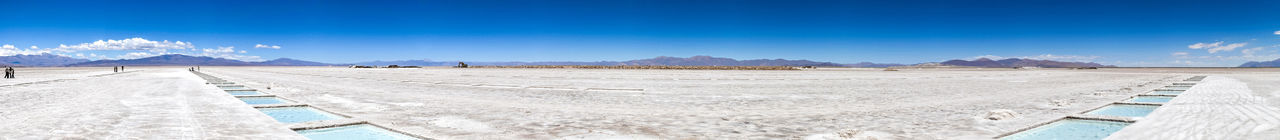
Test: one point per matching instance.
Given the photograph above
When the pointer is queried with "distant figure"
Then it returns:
(121, 68)
(9, 73)
(115, 69)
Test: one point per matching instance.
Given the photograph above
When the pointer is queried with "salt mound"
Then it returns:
(1001, 114)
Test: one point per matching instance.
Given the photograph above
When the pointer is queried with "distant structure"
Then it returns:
(1085, 68)
(1026, 68)
(461, 65)
(393, 66)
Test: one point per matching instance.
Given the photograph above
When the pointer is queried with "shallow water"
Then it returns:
(244, 93)
(1124, 110)
(1070, 129)
(298, 114)
(234, 88)
(1151, 99)
(354, 132)
(1166, 92)
(262, 100)
(1177, 87)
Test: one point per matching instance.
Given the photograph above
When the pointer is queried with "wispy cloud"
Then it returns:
(1217, 46)
(266, 46)
(133, 48)
(1067, 58)
(1179, 54)
(136, 55)
(1251, 51)
(9, 50)
(228, 52)
(138, 44)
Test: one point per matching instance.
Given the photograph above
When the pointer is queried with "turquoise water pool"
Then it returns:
(244, 92)
(1070, 129)
(298, 114)
(1166, 92)
(1124, 110)
(1177, 87)
(1151, 99)
(233, 88)
(354, 132)
(262, 100)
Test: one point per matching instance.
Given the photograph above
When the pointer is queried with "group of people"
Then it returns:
(117, 68)
(8, 73)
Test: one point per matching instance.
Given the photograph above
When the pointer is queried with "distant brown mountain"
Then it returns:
(1015, 62)
(41, 60)
(1262, 64)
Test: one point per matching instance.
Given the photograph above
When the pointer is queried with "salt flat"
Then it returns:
(449, 103)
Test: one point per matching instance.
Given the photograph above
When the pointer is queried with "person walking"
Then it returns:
(115, 69)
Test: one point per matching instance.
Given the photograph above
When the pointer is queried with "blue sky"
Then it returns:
(1125, 33)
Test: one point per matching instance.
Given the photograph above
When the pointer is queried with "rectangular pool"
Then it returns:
(243, 92)
(354, 132)
(262, 100)
(233, 88)
(1166, 92)
(298, 114)
(1177, 87)
(1150, 99)
(1124, 110)
(1070, 129)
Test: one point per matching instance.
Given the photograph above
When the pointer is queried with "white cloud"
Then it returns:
(1179, 54)
(1216, 46)
(10, 50)
(229, 49)
(128, 44)
(1249, 52)
(34, 47)
(228, 52)
(1277, 32)
(1066, 58)
(266, 46)
(136, 55)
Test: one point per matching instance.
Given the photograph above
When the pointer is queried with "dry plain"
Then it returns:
(451, 103)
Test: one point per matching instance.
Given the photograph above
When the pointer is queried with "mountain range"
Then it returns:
(41, 60)
(1262, 64)
(1015, 62)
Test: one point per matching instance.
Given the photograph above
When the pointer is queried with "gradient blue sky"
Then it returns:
(1125, 33)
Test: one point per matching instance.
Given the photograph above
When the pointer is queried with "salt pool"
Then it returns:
(1150, 99)
(1070, 129)
(298, 114)
(233, 87)
(262, 100)
(1166, 92)
(243, 92)
(1177, 87)
(354, 132)
(1124, 110)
